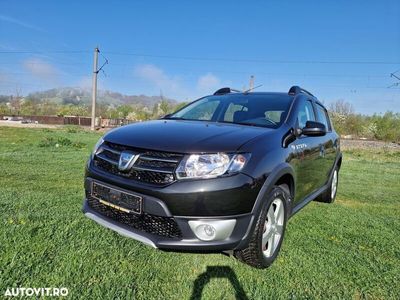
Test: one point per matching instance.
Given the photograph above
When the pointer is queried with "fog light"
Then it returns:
(212, 230)
(209, 230)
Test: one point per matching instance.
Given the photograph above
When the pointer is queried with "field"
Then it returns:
(347, 250)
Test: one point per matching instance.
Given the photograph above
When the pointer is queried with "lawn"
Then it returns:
(349, 249)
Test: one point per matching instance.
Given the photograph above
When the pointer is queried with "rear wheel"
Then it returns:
(267, 237)
(329, 195)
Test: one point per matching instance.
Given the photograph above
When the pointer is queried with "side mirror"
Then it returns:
(314, 129)
(166, 116)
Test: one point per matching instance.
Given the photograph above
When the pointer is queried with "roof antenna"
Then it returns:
(251, 83)
(253, 88)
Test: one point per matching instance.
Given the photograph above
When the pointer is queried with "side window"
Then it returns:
(306, 113)
(323, 117)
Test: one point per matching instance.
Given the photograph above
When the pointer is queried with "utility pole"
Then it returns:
(251, 83)
(94, 86)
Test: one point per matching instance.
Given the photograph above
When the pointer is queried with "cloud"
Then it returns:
(85, 82)
(157, 76)
(41, 69)
(170, 85)
(208, 83)
(177, 87)
(20, 23)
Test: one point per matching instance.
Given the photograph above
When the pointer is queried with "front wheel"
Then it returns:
(267, 237)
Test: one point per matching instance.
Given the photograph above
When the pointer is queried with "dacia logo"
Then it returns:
(126, 160)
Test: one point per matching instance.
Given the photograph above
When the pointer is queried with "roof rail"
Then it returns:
(226, 90)
(294, 90)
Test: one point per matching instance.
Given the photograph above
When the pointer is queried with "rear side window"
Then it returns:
(323, 117)
(306, 113)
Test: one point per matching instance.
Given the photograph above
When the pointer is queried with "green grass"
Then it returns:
(349, 249)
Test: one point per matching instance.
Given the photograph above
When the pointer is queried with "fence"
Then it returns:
(67, 120)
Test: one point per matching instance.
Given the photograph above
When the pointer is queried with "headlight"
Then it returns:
(210, 165)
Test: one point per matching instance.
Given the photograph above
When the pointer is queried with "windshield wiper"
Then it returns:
(244, 123)
(173, 118)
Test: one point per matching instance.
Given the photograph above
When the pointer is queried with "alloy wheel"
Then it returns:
(273, 227)
(334, 184)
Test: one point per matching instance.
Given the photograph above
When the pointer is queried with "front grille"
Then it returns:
(151, 166)
(161, 226)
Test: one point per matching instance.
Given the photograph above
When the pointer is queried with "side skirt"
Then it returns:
(308, 199)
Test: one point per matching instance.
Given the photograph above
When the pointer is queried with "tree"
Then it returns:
(4, 109)
(341, 107)
(342, 115)
(124, 110)
(180, 105)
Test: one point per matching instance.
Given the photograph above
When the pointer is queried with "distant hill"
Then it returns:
(76, 96)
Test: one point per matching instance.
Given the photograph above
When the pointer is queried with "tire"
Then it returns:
(329, 195)
(270, 226)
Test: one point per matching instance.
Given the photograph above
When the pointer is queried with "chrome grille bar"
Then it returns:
(109, 160)
(168, 160)
(107, 148)
(151, 169)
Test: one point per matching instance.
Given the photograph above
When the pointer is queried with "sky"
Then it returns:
(186, 49)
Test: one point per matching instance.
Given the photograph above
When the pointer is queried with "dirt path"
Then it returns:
(27, 125)
(363, 144)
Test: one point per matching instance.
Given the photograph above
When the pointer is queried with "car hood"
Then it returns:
(182, 136)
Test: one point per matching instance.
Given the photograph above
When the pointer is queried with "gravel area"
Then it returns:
(27, 125)
(365, 144)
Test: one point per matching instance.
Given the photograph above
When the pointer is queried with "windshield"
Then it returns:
(269, 110)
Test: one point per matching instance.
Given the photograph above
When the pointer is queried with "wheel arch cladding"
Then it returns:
(283, 171)
(339, 162)
(288, 180)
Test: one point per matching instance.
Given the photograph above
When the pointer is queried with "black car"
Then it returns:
(222, 174)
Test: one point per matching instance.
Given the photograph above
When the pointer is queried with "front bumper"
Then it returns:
(187, 241)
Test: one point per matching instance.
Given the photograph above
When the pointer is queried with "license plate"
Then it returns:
(117, 199)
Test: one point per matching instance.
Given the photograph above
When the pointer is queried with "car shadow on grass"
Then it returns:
(217, 272)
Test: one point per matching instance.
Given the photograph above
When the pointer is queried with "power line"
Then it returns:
(254, 60)
(45, 52)
(104, 63)
(10, 83)
(122, 74)
(370, 62)
(393, 75)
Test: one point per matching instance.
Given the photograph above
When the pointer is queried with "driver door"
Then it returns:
(306, 152)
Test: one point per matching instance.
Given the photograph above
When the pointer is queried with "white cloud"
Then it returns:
(208, 83)
(41, 69)
(158, 78)
(20, 23)
(177, 87)
(85, 82)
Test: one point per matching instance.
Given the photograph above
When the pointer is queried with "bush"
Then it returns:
(60, 142)
(381, 127)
